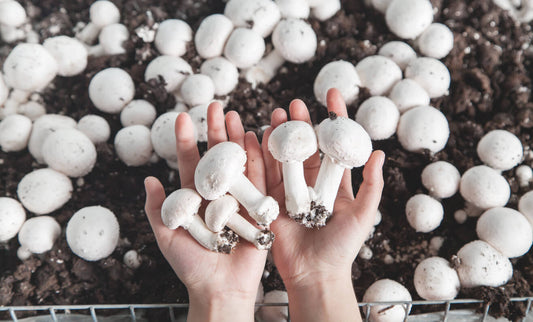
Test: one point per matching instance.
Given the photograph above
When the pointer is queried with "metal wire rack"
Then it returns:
(443, 311)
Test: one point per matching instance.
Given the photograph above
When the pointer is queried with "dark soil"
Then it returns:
(491, 88)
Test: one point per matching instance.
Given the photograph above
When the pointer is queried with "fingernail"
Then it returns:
(382, 159)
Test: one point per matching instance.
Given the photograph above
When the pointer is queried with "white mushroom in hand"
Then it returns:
(180, 209)
(292, 143)
(220, 171)
(224, 211)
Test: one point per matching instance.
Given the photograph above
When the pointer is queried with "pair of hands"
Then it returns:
(315, 265)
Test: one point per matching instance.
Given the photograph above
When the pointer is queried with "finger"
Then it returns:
(369, 194)
(188, 155)
(346, 185)
(278, 116)
(272, 166)
(299, 112)
(216, 129)
(255, 164)
(155, 195)
(235, 128)
(336, 103)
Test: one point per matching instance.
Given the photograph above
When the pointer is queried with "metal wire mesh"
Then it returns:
(443, 310)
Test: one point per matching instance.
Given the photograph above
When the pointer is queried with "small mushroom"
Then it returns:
(92, 233)
(101, 13)
(326, 9)
(223, 73)
(132, 259)
(500, 149)
(407, 19)
(220, 170)
(197, 89)
(378, 73)
(386, 290)
(423, 128)
(224, 211)
(138, 112)
(435, 279)
(341, 75)
(298, 9)
(111, 89)
(172, 69)
(436, 41)
(484, 187)
(244, 47)
(110, 41)
(69, 53)
(525, 206)
(424, 213)
(379, 117)
(38, 234)
(259, 15)
(524, 175)
(12, 216)
(133, 145)
(431, 74)
(180, 209)
(15, 132)
(441, 178)
(172, 37)
(211, 36)
(44, 126)
(399, 52)
(95, 127)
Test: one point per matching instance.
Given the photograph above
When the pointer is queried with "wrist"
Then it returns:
(221, 306)
(318, 279)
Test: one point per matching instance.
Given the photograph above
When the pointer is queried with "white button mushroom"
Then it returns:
(198, 116)
(33, 110)
(524, 175)
(197, 89)
(381, 5)
(460, 216)
(95, 128)
(111, 89)
(92, 233)
(500, 149)
(12, 216)
(29, 67)
(265, 69)
(345, 145)
(174, 70)
(138, 112)
(423, 127)
(379, 117)
(407, 94)
(132, 259)
(484, 187)
(340, 75)
(436, 41)
(424, 213)
(525, 206)
(133, 145)
(378, 73)
(220, 170)
(15, 132)
(163, 136)
(69, 151)
(172, 37)
(111, 40)
(102, 13)
(224, 211)
(479, 264)
(244, 47)
(431, 74)
(12, 13)
(435, 279)
(292, 143)
(259, 15)
(70, 54)
(298, 9)
(223, 73)
(507, 230)
(180, 209)
(44, 126)
(326, 9)
(409, 18)
(399, 52)
(365, 253)
(441, 178)
(212, 34)
(387, 290)
(38, 234)
(295, 40)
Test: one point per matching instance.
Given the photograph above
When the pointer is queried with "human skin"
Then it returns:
(315, 264)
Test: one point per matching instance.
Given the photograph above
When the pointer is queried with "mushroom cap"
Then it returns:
(441, 178)
(259, 15)
(69, 53)
(326, 9)
(381, 5)
(103, 13)
(44, 126)
(219, 211)
(244, 47)
(292, 141)
(15, 132)
(479, 264)
(197, 89)
(132, 259)
(423, 127)
(386, 290)
(398, 51)
(133, 145)
(138, 112)
(436, 41)
(12, 216)
(275, 313)
(407, 19)
(484, 187)
(378, 73)
(179, 207)
(212, 34)
(95, 128)
(111, 89)
(500, 149)
(12, 13)
(44, 190)
(29, 67)
(407, 94)
(431, 74)
(345, 141)
(198, 115)
(341, 75)
(507, 230)
(435, 279)
(38, 234)
(223, 73)
(424, 213)
(92, 233)
(174, 70)
(298, 9)
(218, 168)
(295, 40)
(379, 116)
(172, 37)
(69, 151)
(4, 90)
(163, 136)
(112, 37)
(525, 206)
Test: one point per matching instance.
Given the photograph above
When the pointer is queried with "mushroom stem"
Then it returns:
(262, 239)
(222, 242)
(89, 33)
(326, 187)
(297, 199)
(265, 69)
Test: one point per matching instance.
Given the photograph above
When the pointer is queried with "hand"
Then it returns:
(221, 287)
(309, 260)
